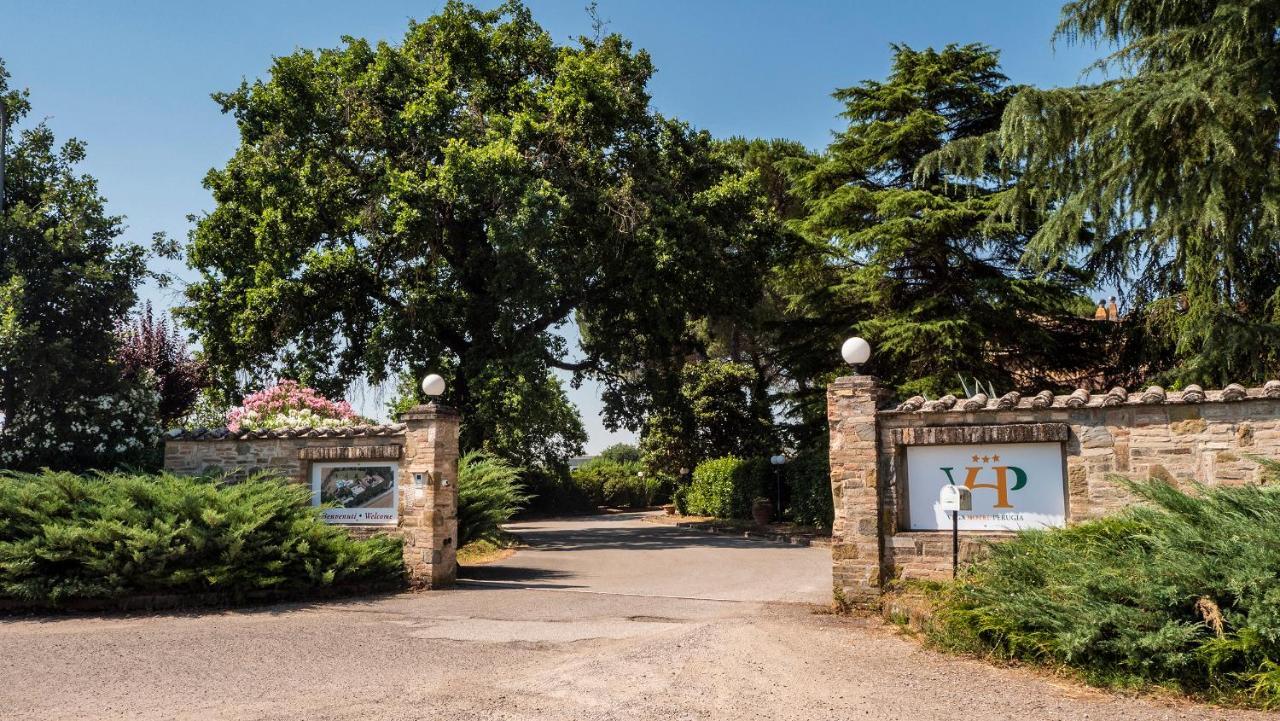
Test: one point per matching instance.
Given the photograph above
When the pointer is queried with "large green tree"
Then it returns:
(720, 413)
(446, 203)
(708, 334)
(915, 264)
(66, 282)
(1165, 177)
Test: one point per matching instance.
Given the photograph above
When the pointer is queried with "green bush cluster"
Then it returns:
(1182, 591)
(489, 494)
(807, 476)
(680, 498)
(552, 491)
(110, 536)
(610, 482)
(725, 487)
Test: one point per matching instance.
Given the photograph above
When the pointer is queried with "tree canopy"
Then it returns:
(444, 204)
(1163, 178)
(914, 262)
(708, 335)
(461, 199)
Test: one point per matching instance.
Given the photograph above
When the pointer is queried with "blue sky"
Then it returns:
(132, 79)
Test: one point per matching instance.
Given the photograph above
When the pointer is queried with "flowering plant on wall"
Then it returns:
(289, 404)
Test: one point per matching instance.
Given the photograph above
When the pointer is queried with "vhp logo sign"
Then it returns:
(1000, 486)
(1014, 485)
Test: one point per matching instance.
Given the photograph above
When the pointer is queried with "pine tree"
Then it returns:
(915, 266)
(1163, 176)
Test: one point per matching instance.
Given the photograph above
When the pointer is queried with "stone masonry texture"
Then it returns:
(855, 487)
(1192, 437)
(424, 445)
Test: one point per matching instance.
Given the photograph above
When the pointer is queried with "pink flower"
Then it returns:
(278, 406)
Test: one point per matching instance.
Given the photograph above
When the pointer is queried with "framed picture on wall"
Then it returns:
(361, 493)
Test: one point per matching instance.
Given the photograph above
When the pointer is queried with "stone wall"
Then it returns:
(1193, 436)
(285, 452)
(424, 446)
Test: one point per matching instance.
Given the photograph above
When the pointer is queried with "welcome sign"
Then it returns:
(356, 492)
(1015, 486)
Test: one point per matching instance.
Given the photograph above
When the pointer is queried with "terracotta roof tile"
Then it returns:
(222, 434)
(1081, 398)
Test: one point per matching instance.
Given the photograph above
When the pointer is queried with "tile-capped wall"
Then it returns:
(424, 444)
(1190, 436)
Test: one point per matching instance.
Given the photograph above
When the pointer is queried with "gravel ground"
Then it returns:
(537, 638)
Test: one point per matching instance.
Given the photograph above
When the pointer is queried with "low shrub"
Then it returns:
(807, 476)
(681, 500)
(633, 491)
(591, 477)
(621, 484)
(725, 487)
(1183, 591)
(553, 492)
(489, 494)
(111, 536)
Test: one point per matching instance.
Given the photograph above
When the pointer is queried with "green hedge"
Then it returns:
(553, 492)
(680, 497)
(808, 479)
(609, 482)
(66, 537)
(1183, 591)
(725, 487)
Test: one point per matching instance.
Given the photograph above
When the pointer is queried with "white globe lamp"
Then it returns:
(856, 351)
(433, 385)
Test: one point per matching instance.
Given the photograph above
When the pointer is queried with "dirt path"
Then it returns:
(586, 648)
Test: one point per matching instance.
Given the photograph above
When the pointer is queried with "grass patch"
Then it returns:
(1182, 592)
(487, 550)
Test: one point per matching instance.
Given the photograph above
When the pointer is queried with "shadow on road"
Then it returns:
(640, 539)
(523, 575)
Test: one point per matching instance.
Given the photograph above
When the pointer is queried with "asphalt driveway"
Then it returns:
(601, 618)
(622, 554)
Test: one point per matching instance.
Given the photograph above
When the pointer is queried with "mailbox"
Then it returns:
(955, 498)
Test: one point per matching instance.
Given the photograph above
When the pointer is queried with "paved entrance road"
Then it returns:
(570, 629)
(622, 554)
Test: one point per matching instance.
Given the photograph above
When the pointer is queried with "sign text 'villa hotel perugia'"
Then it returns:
(1015, 485)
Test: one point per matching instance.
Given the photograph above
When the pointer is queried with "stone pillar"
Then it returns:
(852, 402)
(429, 495)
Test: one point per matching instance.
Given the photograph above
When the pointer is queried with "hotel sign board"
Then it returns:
(1014, 486)
(358, 493)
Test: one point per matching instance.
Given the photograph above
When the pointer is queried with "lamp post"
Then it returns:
(777, 462)
(855, 352)
(433, 386)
